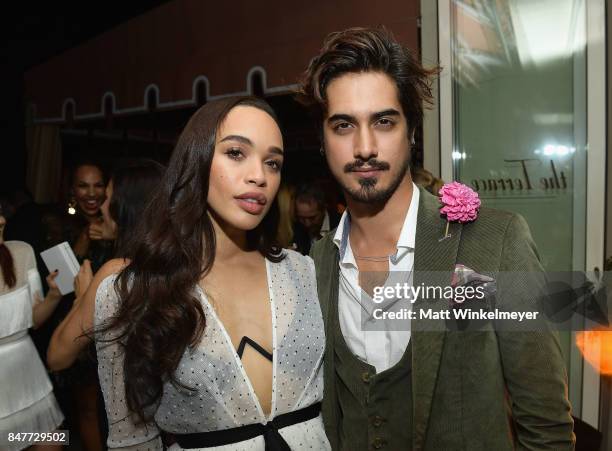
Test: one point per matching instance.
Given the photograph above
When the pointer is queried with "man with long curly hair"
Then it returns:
(416, 384)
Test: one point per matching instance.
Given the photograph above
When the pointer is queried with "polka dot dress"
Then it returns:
(223, 397)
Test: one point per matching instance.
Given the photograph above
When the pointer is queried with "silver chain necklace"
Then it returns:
(373, 258)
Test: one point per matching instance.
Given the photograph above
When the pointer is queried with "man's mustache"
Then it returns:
(372, 163)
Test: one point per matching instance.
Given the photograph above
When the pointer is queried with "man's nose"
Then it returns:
(365, 144)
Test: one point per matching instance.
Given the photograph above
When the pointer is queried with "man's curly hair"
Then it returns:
(367, 50)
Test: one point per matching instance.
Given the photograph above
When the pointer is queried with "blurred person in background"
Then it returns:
(286, 219)
(26, 222)
(131, 186)
(87, 193)
(313, 218)
(27, 402)
(78, 388)
(422, 177)
(127, 194)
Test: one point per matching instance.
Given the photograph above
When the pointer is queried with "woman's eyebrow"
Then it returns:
(241, 139)
(246, 141)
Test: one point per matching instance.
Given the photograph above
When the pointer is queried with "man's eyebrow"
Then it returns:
(387, 112)
(239, 138)
(373, 116)
(341, 117)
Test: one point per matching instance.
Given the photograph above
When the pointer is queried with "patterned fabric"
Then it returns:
(223, 396)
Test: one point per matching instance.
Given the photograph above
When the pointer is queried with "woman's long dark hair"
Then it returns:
(160, 315)
(7, 264)
(133, 186)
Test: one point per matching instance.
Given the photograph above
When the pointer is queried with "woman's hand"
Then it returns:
(101, 230)
(54, 293)
(42, 309)
(83, 279)
(73, 334)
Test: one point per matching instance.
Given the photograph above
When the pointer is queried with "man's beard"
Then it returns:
(367, 192)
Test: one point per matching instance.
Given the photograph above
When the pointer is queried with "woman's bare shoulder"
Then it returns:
(112, 267)
(109, 270)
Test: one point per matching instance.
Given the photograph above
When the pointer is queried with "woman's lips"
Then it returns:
(90, 205)
(253, 203)
(251, 207)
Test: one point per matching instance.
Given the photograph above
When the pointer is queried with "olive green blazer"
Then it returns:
(477, 390)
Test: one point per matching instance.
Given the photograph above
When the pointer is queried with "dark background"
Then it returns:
(30, 34)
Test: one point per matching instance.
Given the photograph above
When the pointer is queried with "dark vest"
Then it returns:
(376, 408)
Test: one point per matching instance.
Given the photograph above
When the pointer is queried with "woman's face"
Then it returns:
(104, 208)
(246, 166)
(88, 189)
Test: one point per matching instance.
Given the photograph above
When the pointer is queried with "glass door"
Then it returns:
(518, 125)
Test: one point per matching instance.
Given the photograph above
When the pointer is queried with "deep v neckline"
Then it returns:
(234, 353)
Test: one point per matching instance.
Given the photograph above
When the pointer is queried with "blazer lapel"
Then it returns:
(328, 275)
(327, 269)
(434, 262)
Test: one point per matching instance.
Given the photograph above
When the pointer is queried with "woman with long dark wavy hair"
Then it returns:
(127, 193)
(211, 332)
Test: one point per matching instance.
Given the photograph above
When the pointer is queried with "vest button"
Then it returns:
(365, 376)
(377, 421)
(378, 443)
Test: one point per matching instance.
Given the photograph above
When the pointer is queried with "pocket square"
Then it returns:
(464, 276)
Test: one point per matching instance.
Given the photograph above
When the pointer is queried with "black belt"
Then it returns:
(274, 441)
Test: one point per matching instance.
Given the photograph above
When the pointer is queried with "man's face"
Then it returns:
(310, 215)
(365, 135)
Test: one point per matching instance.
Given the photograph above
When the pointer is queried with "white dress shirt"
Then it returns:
(380, 343)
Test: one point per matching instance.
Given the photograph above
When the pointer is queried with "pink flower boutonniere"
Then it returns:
(459, 203)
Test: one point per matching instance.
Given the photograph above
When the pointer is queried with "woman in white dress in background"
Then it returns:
(27, 403)
(210, 331)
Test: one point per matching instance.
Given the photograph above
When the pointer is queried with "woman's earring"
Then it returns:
(322, 151)
(72, 206)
